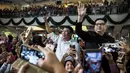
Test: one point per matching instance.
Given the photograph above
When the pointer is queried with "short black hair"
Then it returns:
(70, 28)
(37, 40)
(10, 37)
(104, 19)
(34, 33)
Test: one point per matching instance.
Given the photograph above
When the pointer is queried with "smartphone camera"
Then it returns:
(110, 47)
(31, 55)
(92, 63)
(72, 46)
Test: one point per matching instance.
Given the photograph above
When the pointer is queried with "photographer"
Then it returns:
(111, 62)
(70, 60)
(126, 64)
(69, 64)
(6, 67)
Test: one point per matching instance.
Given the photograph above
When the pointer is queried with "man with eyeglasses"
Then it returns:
(93, 39)
(64, 41)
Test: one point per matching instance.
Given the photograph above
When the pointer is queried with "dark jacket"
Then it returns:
(92, 39)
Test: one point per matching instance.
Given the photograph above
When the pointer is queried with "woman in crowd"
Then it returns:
(6, 67)
(69, 64)
(9, 43)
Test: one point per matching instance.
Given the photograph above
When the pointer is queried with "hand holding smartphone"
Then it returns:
(71, 50)
(110, 47)
(31, 55)
(92, 63)
(28, 32)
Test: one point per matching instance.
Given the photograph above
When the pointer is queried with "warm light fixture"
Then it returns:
(65, 5)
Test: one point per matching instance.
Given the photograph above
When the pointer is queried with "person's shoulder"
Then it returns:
(93, 33)
(74, 42)
(110, 38)
(60, 37)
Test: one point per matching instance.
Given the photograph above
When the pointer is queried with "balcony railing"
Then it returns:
(63, 11)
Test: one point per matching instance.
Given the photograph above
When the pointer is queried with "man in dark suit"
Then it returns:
(93, 39)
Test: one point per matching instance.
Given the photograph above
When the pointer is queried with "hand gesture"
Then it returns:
(109, 57)
(71, 51)
(78, 69)
(50, 63)
(81, 9)
(45, 18)
(124, 47)
(74, 53)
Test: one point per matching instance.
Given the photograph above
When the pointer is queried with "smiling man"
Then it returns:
(63, 40)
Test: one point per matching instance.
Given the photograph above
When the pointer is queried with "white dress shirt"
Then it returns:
(63, 46)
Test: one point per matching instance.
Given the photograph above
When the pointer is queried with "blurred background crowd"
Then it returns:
(112, 7)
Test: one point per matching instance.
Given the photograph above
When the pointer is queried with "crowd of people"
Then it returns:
(64, 53)
(60, 10)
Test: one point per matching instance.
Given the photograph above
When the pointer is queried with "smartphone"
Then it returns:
(92, 62)
(31, 55)
(28, 32)
(110, 47)
(72, 46)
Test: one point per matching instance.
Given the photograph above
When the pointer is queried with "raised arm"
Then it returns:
(48, 29)
(81, 13)
(51, 33)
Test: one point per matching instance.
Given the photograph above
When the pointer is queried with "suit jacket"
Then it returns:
(93, 40)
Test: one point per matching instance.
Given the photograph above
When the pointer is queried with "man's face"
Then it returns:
(100, 27)
(66, 34)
